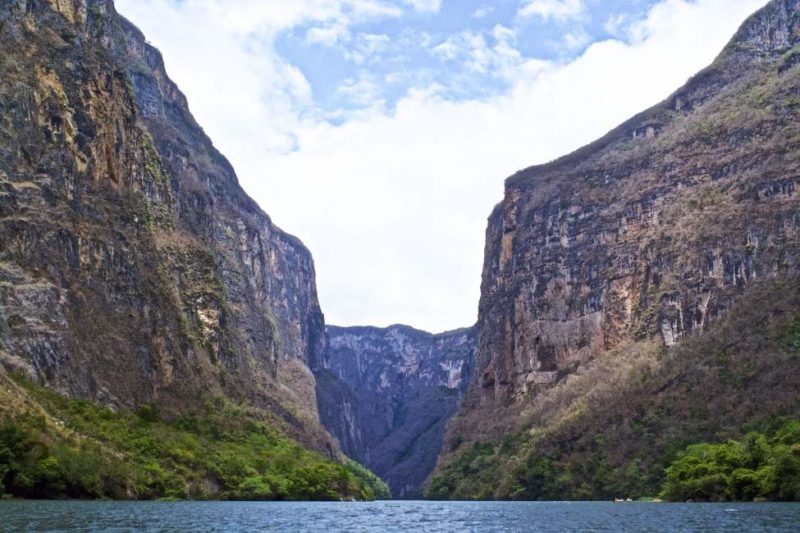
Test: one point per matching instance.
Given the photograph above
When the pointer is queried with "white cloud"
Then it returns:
(362, 92)
(482, 12)
(393, 203)
(267, 16)
(476, 54)
(367, 46)
(576, 39)
(327, 35)
(556, 9)
(461, 44)
(431, 6)
(615, 23)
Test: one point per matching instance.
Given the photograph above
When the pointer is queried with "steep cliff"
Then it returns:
(386, 394)
(133, 268)
(649, 235)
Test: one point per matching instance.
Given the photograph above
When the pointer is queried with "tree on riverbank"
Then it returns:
(760, 466)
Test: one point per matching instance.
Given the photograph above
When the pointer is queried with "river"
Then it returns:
(391, 516)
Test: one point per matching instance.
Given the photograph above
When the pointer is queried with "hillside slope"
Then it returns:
(56, 447)
(612, 428)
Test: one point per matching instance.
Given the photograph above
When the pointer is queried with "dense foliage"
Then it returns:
(613, 429)
(470, 474)
(762, 466)
(76, 449)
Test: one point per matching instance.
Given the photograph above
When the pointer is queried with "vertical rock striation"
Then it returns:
(386, 394)
(653, 231)
(133, 267)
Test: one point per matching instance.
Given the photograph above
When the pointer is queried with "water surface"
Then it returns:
(450, 517)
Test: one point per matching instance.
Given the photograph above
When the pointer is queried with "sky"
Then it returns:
(380, 132)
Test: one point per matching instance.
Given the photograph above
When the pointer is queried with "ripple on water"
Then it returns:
(434, 517)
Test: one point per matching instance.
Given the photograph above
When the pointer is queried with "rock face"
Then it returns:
(386, 394)
(133, 267)
(653, 231)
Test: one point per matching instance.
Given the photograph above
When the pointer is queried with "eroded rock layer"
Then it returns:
(133, 267)
(386, 394)
(654, 231)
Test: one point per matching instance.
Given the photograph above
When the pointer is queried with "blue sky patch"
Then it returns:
(458, 49)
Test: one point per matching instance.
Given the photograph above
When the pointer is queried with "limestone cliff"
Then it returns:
(651, 233)
(386, 394)
(133, 267)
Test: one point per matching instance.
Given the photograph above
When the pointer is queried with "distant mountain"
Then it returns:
(387, 394)
(637, 294)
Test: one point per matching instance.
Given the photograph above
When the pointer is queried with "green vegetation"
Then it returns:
(77, 449)
(471, 475)
(760, 466)
(614, 429)
(152, 159)
(380, 491)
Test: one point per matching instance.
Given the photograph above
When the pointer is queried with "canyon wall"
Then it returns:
(652, 232)
(133, 267)
(386, 394)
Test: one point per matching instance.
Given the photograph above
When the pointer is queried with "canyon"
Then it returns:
(638, 295)
(137, 274)
(386, 395)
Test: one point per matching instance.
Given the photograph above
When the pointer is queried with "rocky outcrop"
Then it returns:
(653, 231)
(133, 267)
(386, 394)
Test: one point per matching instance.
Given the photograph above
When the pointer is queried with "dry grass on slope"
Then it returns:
(612, 428)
